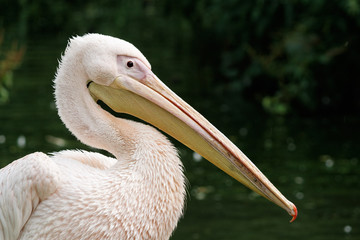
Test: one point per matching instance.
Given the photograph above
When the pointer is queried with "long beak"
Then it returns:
(152, 101)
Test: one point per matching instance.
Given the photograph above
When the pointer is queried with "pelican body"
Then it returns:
(140, 192)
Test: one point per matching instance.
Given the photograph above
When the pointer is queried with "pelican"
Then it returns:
(138, 193)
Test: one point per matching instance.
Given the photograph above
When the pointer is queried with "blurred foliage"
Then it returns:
(9, 60)
(287, 55)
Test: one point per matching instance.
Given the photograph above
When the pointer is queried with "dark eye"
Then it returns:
(130, 64)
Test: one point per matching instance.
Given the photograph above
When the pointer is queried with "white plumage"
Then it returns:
(140, 193)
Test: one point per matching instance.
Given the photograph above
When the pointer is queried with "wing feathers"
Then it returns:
(23, 185)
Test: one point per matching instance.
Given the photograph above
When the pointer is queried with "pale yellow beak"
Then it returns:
(152, 101)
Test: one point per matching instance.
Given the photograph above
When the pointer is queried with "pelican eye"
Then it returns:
(130, 64)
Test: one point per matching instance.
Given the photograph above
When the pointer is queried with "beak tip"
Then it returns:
(294, 215)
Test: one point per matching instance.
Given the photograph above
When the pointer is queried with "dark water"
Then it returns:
(313, 162)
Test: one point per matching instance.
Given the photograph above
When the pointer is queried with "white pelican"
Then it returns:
(140, 193)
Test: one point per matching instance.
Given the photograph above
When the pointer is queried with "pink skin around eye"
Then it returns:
(138, 71)
(141, 70)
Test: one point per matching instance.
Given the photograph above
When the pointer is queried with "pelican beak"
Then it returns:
(152, 101)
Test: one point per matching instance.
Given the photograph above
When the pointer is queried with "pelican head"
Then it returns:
(116, 73)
